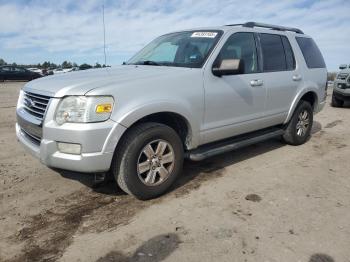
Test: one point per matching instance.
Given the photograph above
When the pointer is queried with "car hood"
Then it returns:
(81, 82)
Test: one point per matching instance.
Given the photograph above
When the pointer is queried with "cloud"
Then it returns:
(47, 30)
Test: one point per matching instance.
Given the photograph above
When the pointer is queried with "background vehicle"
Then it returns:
(193, 94)
(17, 73)
(341, 86)
(36, 70)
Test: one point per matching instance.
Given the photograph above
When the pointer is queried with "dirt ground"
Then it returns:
(267, 202)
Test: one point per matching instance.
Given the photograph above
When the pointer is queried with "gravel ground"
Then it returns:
(267, 202)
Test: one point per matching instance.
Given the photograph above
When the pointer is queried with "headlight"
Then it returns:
(84, 109)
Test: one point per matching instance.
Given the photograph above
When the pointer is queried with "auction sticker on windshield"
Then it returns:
(204, 34)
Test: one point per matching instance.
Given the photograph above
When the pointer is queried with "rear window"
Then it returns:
(274, 56)
(311, 53)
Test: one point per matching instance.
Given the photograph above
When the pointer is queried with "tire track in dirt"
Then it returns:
(47, 234)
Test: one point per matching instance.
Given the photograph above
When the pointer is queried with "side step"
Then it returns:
(230, 144)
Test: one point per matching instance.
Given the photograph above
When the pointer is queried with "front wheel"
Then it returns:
(298, 129)
(148, 160)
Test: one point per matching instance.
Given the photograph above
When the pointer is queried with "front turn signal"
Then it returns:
(104, 108)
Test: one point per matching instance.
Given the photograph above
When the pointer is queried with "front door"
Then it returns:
(234, 104)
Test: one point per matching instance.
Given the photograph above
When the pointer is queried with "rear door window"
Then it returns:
(19, 70)
(274, 58)
(311, 53)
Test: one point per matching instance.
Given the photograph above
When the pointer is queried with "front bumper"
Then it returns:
(341, 90)
(89, 162)
(98, 141)
(341, 95)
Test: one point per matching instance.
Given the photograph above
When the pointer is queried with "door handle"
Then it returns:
(256, 82)
(296, 77)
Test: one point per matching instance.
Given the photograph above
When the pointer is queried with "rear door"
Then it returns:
(20, 74)
(280, 75)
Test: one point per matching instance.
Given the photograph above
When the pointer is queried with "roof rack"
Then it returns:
(274, 27)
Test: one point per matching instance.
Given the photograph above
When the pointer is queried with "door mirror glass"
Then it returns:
(343, 66)
(229, 67)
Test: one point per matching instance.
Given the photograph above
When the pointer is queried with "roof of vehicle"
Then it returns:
(254, 26)
(13, 66)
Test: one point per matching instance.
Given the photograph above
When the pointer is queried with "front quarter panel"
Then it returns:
(178, 91)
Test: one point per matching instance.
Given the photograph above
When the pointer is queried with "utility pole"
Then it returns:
(104, 33)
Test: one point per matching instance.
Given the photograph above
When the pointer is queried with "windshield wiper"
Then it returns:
(147, 62)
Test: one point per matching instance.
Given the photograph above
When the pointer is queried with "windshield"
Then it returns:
(183, 49)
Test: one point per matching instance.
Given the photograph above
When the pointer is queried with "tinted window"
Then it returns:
(274, 58)
(6, 69)
(311, 53)
(18, 69)
(241, 46)
(290, 60)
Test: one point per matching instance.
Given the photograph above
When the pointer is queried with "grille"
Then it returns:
(35, 104)
(342, 76)
(36, 140)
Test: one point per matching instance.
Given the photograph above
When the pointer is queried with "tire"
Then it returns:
(298, 129)
(337, 102)
(138, 170)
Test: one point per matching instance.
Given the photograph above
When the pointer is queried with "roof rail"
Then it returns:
(234, 25)
(274, 27)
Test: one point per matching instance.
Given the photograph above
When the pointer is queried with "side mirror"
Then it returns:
(343, 66)
(228, 67)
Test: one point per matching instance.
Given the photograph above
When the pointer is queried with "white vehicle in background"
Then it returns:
(35, 70)
(62, 70)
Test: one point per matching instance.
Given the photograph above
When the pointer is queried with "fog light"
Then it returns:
(69, 148)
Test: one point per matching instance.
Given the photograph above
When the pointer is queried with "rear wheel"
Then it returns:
(148, 160)
(337, 102)
(299, 127)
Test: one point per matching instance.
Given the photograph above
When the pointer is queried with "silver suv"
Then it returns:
(189, 94)
(341, 89)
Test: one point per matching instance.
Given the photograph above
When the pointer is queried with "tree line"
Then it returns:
(49, 65)
(67, 64)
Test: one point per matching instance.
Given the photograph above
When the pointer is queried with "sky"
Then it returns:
(57, 30)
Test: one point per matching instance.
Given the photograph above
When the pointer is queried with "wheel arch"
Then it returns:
(175, 115)
(174, 120)
(309, 95)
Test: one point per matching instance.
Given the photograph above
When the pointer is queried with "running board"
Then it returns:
(234, 143)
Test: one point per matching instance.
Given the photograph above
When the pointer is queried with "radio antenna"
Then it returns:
(104, 33)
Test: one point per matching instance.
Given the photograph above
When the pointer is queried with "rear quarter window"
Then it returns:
(311, 53)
